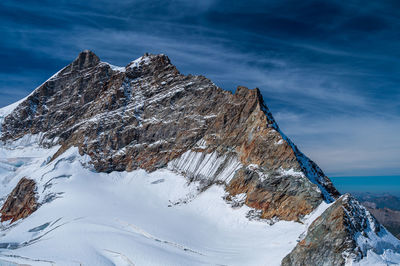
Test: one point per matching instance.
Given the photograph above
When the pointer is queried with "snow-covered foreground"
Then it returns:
(141, 218)
(127, 218)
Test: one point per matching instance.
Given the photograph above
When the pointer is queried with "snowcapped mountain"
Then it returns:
(141, 165)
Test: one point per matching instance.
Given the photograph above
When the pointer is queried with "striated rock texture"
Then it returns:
(343, 233)
(148, 115)
(21, 202)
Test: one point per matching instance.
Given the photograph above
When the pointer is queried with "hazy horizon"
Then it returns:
(368, 184)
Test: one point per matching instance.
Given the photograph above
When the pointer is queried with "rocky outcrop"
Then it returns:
(21, 202)
(282, 196)
(148, 115)
(343, 233)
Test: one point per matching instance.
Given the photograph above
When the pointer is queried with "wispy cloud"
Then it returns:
(327, 69)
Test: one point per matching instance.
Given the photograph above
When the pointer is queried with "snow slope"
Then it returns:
(126, 218)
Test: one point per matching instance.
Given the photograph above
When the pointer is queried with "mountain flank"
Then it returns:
(149, 116)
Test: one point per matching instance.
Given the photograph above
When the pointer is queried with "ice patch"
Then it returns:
(115, 68)
(144, 60)
(201, 144)
(291, 172)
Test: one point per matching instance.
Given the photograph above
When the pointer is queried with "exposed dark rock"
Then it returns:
(21, 202)
(284, 196)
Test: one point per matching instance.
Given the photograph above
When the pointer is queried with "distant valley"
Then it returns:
(385, 207)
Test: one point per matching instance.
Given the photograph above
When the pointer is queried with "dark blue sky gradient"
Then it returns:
(328, 70)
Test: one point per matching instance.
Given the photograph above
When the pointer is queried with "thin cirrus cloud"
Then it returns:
(328, 70)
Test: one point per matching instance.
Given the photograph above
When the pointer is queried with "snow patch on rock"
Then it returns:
(115, 68)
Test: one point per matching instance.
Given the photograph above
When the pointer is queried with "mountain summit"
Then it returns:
(148, 116)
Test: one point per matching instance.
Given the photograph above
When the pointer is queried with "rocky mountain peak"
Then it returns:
(150, 116)
(256, 97)
(150, 63)
(243, 91)
(147, 59)
(85, 59)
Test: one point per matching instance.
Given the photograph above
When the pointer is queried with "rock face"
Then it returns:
(276, 196)
(148, 115)
(21, 202)
(343, 233)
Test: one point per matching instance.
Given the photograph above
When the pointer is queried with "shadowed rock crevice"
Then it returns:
(21, 202)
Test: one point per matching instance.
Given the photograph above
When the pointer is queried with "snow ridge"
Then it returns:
(309, 168)
(373, 240)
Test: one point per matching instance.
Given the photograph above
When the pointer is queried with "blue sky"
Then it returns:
(329, 70)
